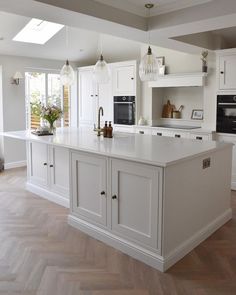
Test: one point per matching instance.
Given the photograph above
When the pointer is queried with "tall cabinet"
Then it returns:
(226, 72)
(123, 82)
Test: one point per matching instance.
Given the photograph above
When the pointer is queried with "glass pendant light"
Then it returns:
(101, 70)
(67, 73)
(148, 68)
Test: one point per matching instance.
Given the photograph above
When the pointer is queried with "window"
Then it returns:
(46, 87)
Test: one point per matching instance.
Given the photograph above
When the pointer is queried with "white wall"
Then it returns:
(13, 101)
(1, 114)
(179, 62)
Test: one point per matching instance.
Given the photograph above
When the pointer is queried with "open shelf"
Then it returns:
(179, 80)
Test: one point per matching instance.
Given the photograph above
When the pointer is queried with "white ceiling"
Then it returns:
(83, 44)
(84, 15)
(160, 6)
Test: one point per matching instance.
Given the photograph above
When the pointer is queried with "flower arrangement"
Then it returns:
(49, 112)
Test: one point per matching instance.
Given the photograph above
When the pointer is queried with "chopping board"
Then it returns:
(167, 110)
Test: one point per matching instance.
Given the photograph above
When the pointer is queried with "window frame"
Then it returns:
(47, 72)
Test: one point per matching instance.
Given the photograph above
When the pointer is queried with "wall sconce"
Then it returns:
(16, 78)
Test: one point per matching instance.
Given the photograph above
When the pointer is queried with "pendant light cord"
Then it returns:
(67, 37)
(148, 26)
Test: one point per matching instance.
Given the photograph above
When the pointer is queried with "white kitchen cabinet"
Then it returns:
(59, 170)
(38, 163)
(199, 136)
(88, 97)
(123, 128)
(136, 206)
(124, 78)
(143, 130)
(105, 100)
(162, 132)
(169, 133)
(231, 139)
(89, 190)
(48, 172)
(227, 72)
(92, 96)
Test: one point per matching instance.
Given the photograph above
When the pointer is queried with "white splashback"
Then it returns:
(190, 97)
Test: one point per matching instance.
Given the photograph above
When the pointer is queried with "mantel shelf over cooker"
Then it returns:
(180, 80)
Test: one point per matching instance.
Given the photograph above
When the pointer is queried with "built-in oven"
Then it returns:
(124, 110)
(226, 114)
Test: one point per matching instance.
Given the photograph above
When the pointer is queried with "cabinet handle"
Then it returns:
(96, 95)
(222, 72)
(141, 132)
(199, 137)
(132, 78)
(45, 164)
(177, 136)
(91, 95)
(114, 197)
(103, 193)
(51, 166)
(159, 134)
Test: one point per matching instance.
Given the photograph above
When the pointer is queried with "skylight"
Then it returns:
(38, 31)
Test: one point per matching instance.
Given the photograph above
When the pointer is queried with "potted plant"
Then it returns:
(204, 60)
(51, 113)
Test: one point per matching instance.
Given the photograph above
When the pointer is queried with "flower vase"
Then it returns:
(52, 128)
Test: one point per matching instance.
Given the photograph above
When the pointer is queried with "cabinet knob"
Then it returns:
(103, 193)
(91, 95)
(51, 166)
(222, 72)
(45, 164)
(114, 197)
(132, 78)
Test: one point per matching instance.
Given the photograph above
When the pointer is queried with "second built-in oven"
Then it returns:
(124, 110)
(226, 114)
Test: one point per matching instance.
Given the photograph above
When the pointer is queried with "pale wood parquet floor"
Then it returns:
(41, 255)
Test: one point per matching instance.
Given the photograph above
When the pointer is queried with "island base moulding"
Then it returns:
(150, 258)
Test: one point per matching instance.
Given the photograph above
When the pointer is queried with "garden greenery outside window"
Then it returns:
(46, 87)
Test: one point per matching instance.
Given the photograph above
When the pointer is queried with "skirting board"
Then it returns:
(13, 165)
(133, 250)
(53, 197)
(146, 256)
(196, 239)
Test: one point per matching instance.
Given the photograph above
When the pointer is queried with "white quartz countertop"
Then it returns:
(154, 150)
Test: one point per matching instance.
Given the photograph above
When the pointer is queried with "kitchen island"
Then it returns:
(154, 198)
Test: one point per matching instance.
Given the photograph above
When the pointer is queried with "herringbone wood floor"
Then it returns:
(41, 255)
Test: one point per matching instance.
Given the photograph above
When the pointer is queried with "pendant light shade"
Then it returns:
(148, 68)
(101, 71)
(67, 74)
